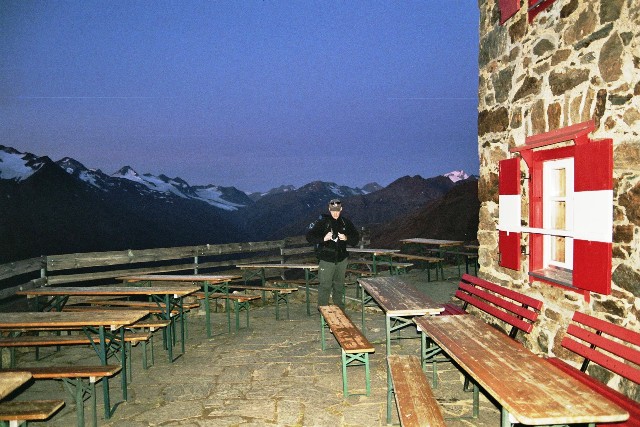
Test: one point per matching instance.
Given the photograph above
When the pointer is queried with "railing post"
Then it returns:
(195, 262)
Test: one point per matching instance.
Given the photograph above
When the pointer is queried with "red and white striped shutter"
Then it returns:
(509, 213)
(593, 216)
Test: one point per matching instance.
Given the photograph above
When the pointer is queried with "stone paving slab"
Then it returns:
(272, 373)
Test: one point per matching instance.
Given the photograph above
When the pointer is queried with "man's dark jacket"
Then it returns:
(334, 250)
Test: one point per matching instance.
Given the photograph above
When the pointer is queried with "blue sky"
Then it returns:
(253, 94)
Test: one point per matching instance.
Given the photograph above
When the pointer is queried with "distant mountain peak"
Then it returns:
(456, 176)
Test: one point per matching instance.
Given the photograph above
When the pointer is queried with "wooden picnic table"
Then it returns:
(210, 283)
(114, 320)
(308, 268)
(10, 381)
(433, 242)
(169, 297)
(527, 386)
(400, 301)
(376, 255)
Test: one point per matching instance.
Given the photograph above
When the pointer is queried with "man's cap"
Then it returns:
(335, 205)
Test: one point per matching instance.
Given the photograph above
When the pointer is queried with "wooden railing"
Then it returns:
(95, 266)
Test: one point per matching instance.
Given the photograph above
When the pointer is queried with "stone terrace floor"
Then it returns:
(272, 373)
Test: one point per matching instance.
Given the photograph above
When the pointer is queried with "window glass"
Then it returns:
(557, 213)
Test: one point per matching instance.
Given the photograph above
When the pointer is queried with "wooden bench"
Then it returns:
(394, 267)
(414, 398)
(130, 338)
(280, 293)
(151, 326)
(516, 311)
(614, 348)
(354, 345)
(18, 412)
(468, 258)
(73, 377)
(240, 303)
(428, 261)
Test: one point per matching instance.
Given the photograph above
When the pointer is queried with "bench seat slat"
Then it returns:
(55, 372)
(47, 340)
(416, 403)
(29, 410)
(345, 331)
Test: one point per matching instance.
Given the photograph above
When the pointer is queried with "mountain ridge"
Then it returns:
(64, 207)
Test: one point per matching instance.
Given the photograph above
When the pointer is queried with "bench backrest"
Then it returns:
(600, 341)
(516, 309)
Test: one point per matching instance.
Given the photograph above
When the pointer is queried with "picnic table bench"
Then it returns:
(74, 377)
(428, 261)
(417, 406)
(240, 303)
(17, 412)
(354, 345)
(516, 311)
(394, 267)
(598, 341)
(280, 293)
(130, 339)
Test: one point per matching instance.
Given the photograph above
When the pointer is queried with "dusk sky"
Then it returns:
(251, 94)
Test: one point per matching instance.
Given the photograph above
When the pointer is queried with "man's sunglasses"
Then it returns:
(335, 203)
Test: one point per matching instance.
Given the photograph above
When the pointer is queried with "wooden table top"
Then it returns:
(9, 381)
(434, 242)
(373, 251)
(110, 290)
(301, 266)
(529, 387)
(211, 278)
(63, 319)
(397, 297)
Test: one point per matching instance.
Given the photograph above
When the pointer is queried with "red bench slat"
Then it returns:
(505, 317)
(500, 302)
(617, 331)
(509, 293)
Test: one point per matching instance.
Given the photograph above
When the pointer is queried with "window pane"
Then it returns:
(559, 215)
(558, 249)
(559, 185)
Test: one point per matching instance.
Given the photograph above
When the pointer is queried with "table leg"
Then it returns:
(105, 381)
(387, 321)
(207, 309)
(306, 290)
(170, 330)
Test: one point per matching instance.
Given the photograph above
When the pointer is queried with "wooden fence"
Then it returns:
(94, 266)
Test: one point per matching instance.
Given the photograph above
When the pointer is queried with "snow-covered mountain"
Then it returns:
(94, 211)
(456, 176)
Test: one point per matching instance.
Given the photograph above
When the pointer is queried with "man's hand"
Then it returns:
(328, 236)
(342, 236)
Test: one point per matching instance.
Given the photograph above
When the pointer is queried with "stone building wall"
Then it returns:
(578, 60)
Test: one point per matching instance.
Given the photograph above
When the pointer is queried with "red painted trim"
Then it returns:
(509, 177)
(574, 132)
(592, 266)
(508, 8)
(509, 248)
(594, 166)
(537, 6)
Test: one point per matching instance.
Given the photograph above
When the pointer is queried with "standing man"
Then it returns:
(331, 233)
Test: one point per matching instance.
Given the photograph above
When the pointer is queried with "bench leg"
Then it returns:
(345, 392)
(323, 326)
(390, 392)
(355, 359)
